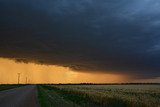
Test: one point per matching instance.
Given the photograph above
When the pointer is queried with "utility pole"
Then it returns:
(19, 74)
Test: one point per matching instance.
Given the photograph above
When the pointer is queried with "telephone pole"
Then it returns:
(19, 74)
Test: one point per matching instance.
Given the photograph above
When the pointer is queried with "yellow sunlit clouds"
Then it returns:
(34, 73)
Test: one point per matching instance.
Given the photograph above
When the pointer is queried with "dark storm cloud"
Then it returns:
(94, 35)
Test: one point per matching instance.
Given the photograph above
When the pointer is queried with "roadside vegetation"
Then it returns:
(103, 95)
(48, 97)
(9, 86)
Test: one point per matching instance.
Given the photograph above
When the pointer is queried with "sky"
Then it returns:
(119, 38)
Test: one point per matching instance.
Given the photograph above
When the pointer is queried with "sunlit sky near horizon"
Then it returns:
(72, 41)
(36, 73)
(50, 74)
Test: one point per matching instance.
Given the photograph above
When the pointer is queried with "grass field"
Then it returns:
(99, 95)
(8, 86)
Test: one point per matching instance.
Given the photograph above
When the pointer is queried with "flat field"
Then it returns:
(8, 86)
(100, 95)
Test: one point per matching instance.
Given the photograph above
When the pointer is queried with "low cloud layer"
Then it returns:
(116, 36)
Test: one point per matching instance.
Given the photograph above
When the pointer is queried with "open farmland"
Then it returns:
(8, 86)
(103, 95)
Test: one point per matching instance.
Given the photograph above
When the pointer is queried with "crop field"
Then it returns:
(99, 95)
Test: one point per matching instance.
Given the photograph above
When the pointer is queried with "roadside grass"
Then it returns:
(50, 98)
(73, 98)
(42, 97)
(9, 86)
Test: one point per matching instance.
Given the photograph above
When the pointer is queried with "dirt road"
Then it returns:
(25, 96)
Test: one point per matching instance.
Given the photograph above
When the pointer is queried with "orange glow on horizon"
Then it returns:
(35, 73)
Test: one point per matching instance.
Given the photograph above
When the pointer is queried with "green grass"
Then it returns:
(48, 97)
(42, 97)
(73, 97)
(9, 86)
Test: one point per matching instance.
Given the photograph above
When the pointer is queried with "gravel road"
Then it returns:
(25, 96)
